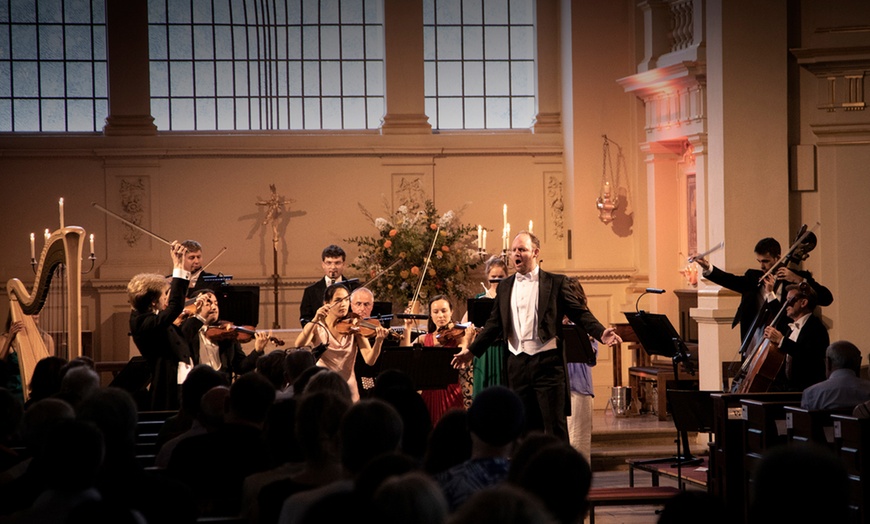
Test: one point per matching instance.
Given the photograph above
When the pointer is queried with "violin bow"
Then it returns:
(788, 253)
(131, 224)
(713, 249)
(426, 265)
(199, 271)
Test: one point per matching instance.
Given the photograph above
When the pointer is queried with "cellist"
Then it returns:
(804, 341)
(772, 290)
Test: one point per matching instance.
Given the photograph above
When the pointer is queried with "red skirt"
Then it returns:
(440, 401)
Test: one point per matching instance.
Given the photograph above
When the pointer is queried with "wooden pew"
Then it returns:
(726, 450)
(632, 496)
(816, 426)
(852, 444)
(147, 430)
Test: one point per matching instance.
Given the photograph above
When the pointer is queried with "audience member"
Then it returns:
(530, 444)
(412, 497)
(799, 483)
(122, 480)
(502, 504)
(295, 362)
(687, 506)
(45, 380)
(271, 366)
(843, 388)
(370, 428)
(76, 384)
(559, 476)
(11, 413)
(214, 465)
(200, 379)
(449, 443)
(412, 409)
(495, 421)
(328, 380)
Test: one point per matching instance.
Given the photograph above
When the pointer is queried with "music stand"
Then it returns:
(692, 411)
(429, 367)
(239, 304)
(479, 310)
(658, 337)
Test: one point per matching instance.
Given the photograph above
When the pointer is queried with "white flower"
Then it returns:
(381, 224)
(403, 210)
(446, 219)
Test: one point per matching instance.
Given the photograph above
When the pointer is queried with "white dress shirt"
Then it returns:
(524, 316)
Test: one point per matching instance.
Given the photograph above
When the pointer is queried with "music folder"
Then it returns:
(428, 367)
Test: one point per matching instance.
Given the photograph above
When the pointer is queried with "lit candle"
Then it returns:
(33, 246)
(47, 234)
(92, 243)
(507, 237)
(60, 205)
(483, 244)
(530, 226)
(479, 236)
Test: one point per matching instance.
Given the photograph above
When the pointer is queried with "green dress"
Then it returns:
(489, 368)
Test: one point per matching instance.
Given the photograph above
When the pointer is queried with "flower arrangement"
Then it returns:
(407, 236)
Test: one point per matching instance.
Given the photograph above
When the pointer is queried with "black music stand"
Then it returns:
(479, 310)
(429, 367)
(692, 410)
(239, 304)
(658, 337)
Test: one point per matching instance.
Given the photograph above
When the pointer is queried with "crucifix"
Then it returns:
(274, 207)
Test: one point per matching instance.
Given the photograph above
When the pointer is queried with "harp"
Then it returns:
(63, 247)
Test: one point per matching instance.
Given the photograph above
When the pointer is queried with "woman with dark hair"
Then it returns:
(440, 327)
(489, 368)
(341, 348)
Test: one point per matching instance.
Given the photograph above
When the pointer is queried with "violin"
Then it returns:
(353, 324)
(226, 330)
(451, 333)
(188, 311)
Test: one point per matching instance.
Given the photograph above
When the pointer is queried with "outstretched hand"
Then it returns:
(462, 359)
(610, 337)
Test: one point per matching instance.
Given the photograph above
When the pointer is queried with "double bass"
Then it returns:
(755, 348)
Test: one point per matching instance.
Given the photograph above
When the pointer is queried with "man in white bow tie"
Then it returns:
(804, 343)
(332, 261)
(528, 313)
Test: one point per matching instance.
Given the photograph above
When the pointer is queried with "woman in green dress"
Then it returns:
(489, 369)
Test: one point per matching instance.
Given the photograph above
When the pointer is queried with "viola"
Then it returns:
(226, 330)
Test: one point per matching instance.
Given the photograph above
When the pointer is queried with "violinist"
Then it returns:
(341, 341)
(441, 332)
(156, 304)
(193, 264)
(223, 354)
(753, 295)
(804, 341)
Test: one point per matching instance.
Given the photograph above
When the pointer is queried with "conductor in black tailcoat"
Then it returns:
(528, 312)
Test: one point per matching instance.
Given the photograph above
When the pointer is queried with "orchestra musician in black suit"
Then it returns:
(193, 264)
(528, 313)
(753, 292)
(156, 304)
(332, 261)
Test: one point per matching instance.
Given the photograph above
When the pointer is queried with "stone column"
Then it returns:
(403, 63)
(128, 62)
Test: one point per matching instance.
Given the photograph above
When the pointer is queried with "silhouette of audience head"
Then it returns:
(11, 413)
(502, 504)
(200, 379)
(561, 477)
(271, 366)
(496, 416)
(113, 412)
(318, 421)
(412, 497)
(810, 477)
(449, 442)
(369, 428)
(68, 471)
(213, 407)
(530, 444)
(377, 471)
(328, 380)
(40, 419)
(77, 384)
(46, 377)
(687, 506)
(295, 362)
(415, 418)
(305, 377)
(251, 396)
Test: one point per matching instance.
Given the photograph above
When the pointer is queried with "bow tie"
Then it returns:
(524, 278)
(793, 326)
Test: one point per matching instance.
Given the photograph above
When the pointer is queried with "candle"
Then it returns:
(47, 234)
(92, 243)
(507, 237)
(530, 226)
(483, 244)
(504, 217)
(32, 246)
(479, 237)
(60, 205)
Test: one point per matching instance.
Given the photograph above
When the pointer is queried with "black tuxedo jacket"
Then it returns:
(312, 299)
(555, 301)
(807, 354)
(163, 346)
(747, 286)
(232, 357)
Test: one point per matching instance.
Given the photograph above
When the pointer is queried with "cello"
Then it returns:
(762, 365)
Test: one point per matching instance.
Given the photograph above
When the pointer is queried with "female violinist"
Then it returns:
(342, 342)
(441, 332)
(156, 304)
(223, 354)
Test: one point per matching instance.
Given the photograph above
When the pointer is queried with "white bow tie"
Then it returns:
(524, 278)
(794, 327)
